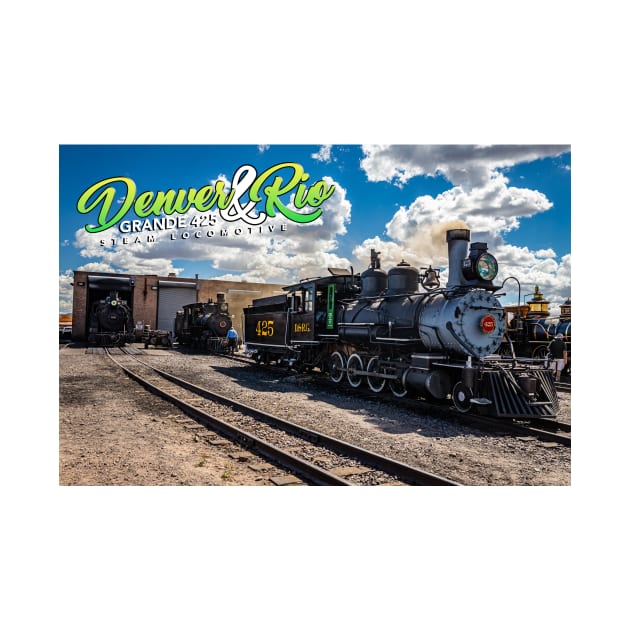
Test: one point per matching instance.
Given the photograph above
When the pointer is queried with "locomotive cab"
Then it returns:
(285, 327)
(315, 304)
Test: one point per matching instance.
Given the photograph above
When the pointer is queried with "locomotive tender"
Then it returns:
(111, 322)
(204, 324)
(379, 329)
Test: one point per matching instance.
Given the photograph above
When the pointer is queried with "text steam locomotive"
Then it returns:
(204, 325)
(379, 329)
(111, 322)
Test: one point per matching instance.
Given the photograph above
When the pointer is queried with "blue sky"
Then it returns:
(398, 199)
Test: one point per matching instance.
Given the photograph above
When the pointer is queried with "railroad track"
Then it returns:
(544, 429)
(313, 457)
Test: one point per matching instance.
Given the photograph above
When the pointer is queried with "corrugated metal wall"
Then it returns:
(171, 297)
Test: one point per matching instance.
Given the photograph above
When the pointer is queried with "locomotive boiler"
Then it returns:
(111, 322)
(381, 330)
(204, 325)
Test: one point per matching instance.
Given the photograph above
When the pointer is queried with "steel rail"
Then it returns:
(546, 429)
(524, 427)
(314, 474)
(405, 472)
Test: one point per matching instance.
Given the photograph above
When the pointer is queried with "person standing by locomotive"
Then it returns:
(232, 338)
(558, 349)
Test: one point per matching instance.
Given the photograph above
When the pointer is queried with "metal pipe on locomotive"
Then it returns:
(111, 322)
(379, 329)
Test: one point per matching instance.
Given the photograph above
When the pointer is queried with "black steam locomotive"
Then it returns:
(204, 325)
(111, 322)
(379, 329)
(532, 329)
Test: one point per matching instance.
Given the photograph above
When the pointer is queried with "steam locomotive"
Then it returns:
(110, 322)
(379, 329)
(532, 329)
(204, 325)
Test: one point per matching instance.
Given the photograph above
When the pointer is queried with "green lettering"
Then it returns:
(201, 198)
(143, 201)
(277, 189)
(170, 203)
(223, 200)
(105, 199)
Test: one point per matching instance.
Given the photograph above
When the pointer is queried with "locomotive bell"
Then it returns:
(430, 279)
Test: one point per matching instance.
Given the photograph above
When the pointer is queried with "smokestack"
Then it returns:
(220, 298)
(457, 252)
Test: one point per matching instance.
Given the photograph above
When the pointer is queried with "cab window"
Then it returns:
(307, 300)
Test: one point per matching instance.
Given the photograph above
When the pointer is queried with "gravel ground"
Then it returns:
(113, 432)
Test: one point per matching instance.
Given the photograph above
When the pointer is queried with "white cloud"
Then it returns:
(489, 211)
(533, 269)
(481, 200)
(65, 291)
(323, 155)
(464, 165)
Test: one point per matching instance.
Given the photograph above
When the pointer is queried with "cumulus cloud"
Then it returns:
(464, 165)
(323, 155)
(489, 211)
(481, 199)
(65, 291)
(533, 269)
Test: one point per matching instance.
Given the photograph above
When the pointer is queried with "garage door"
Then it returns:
(171, 297)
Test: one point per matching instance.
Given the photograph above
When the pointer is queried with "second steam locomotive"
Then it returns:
(111, 322)
(532, 329)
(204, 325)
(380, 329)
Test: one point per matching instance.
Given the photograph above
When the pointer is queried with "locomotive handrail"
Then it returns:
(384, 294)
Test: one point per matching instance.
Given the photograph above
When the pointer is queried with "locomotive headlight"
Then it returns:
(487, 267)
(223, 308)
(113, 302)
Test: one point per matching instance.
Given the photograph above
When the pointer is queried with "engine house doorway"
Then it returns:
(101, 287)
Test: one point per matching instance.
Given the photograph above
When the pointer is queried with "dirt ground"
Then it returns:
(112, 432)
